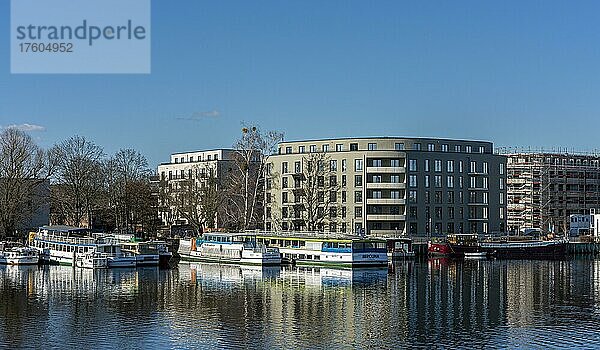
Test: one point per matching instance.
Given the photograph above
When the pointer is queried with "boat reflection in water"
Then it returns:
(221, 275)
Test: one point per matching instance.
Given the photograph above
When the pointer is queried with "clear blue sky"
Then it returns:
(513, 72)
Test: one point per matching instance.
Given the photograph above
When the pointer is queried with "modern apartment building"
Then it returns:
(389, 186)
(545, 188)
(192, 166)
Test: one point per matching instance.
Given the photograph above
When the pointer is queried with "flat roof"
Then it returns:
(385, 138)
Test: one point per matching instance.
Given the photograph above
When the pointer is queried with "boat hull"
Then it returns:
(526, 250)
(438, 249)
(224, 260)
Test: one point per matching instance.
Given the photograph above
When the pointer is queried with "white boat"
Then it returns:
(91, 261)
(115, 256)
(63, 244)
(144, 253)
(16, 254)
(475, 255)
(232, 248)
(327, 249)
(399, 248)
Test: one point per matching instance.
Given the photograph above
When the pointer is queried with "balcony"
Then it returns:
(388, 201)
(387, 233)
(386, 169)
(385, 217)
(386, 185)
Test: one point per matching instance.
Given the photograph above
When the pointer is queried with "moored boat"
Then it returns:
(438, 247)
(91, 261)
(232, 248)
(328, 249)
(399, 248)
(526, 249)
(12, 253)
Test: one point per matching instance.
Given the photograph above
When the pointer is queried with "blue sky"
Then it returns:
(518, 73)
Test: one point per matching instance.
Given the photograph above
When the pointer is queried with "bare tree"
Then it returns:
(198, 198)
(24, 169)
(318, 191)
(247, 180)
(126, 172)
(76, 193)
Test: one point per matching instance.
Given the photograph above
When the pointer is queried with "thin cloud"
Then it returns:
(25, 127)
(198, 116)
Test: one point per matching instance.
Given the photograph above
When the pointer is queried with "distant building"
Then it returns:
(191, 165)
(391, 186)
(585, 224)
(545, 189)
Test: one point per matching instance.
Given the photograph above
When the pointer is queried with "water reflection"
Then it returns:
(440, 303)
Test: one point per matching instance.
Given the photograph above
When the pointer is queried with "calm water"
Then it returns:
(436, 303)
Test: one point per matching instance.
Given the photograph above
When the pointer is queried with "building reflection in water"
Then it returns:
(431, 303)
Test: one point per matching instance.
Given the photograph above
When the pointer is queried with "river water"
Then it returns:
(436, 303)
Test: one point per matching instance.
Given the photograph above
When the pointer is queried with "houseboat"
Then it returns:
(399, 248)
(327, 249)
(12, 253)
(147, 253)
(231, 248)
(525, 248)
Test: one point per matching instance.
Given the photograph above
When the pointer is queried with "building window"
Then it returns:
(399, 146)
(473, 180)
(485, 167)
(297, 167)
(343, 196)
(343, 210)
(343, 180)
(485, 198)
(481, 149)
(358, 180)
(438, 197)
(426, 181)
(501, 183)
(313, 148)
(460, 166)
(416, 146)
(501, 197)
(501, 213)
(450, 166)
(395, 194)
(457, 148)
(468, 149)
(377, 194)
(358, 212)
(288, 150)
(426, 164)
(358, 165)
(284, 197)
(438, 165)
(395, 163)
(450, 197)
(395, 179)
(372, 146)
(427, 197)
(444, 148)
(450, 181)
(412, 180)
(284, 182)
(284, 167)
(501, 168)
(437, 181)
(344, 166)
(376, 162)
(301, 149)
(354, 146)
(339, 147)
(357, 196)
(377, 179)
(412, 196)
(333, 165)
(431, 147)
(412, 212)
(485, 182)
(412, 165)
(473, 168)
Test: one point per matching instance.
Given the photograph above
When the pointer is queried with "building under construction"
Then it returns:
(544, 188)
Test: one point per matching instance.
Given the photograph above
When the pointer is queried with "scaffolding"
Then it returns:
(544, 188)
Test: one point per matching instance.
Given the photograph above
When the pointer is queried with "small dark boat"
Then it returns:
(526, 249)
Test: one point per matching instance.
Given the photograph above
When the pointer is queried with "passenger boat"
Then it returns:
(144, 253)
(232, 248)
(399, 248)
(327, 249)
(62, 244)
(12, 253)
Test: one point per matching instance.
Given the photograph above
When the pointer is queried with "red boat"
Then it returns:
(438, 248)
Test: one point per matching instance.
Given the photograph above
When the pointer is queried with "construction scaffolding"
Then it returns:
(544, 188)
